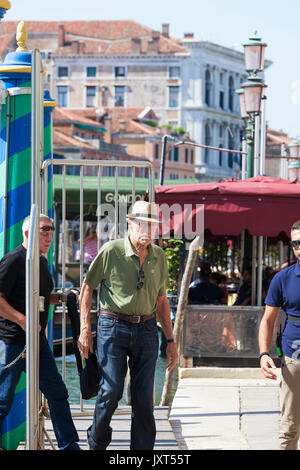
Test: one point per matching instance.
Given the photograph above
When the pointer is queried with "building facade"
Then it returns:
(188, 83)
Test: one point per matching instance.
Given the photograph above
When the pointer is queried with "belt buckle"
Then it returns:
(136, 319)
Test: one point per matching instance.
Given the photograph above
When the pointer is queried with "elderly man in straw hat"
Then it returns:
(133, 274)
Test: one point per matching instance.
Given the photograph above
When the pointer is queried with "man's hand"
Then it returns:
(22, 323)
(267, 366)
(72, 291)
(85, 342)
(172, 356)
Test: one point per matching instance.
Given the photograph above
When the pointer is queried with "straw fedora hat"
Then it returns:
(145, 211)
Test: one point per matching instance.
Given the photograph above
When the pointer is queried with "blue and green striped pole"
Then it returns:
(49, 105)
(4, 6)
(15, 190)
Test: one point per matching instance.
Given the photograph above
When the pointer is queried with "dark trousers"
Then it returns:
(117, 341)
(51, 385)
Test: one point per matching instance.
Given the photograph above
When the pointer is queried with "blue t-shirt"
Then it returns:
(284, 292)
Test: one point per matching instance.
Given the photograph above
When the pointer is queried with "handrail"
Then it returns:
(33, 259)
(32, 331)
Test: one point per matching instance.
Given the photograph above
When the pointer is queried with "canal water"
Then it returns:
(72, 380)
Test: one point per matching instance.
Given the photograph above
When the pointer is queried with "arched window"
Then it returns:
(230, 94)
(207, 142)
(207, 88)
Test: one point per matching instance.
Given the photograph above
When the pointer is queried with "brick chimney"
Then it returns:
(122, 127)
(153, 44)
(61, 35)
(81, 47)
(108, 125)
(165, 30)
(188, 35)
(135, 45)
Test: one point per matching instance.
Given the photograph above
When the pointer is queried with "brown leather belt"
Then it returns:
(128, 318)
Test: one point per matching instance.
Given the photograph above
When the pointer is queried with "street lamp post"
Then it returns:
(253, 92)
(254, 51)
(249, 126)
(294, 166)
(250, 97)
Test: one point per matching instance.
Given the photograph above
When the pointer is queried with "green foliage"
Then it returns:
(179, 130)
(151, 123)
(172, 250)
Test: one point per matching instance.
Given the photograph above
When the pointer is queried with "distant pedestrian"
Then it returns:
(206, 292)
(90, 244)
(284, 292)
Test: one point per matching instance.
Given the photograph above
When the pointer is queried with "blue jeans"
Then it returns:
(51, 385)
(117, 340)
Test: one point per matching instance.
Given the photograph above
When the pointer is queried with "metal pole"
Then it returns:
(33, 258)
(284, 163)
(281, 254)
(116, 203)
(81, 235)
(151, 184)
(81, 246)
(259, 270)
(6, 172)
(263, 137)
(244, 162)
(63, 273)
(162, 160)
(133, 186)
(250, 141)
(256, 145)
(253, 286)
(37, 127)
(32, 331)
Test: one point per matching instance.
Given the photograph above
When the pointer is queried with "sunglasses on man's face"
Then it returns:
(141, 279)
(295, 243)
(47, 228)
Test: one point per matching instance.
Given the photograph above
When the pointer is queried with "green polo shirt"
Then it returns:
(116, 268)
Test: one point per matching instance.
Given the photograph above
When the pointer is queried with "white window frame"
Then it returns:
(95, 97)
(124, 104)
(62, 66)
(125, 72)
(174, 67)
(169, 93)
(86, 72)
(68, 90)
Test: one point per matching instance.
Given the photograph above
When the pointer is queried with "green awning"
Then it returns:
(90, 127)
(90, 185)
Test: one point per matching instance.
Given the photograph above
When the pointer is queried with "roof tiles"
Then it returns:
(101, 37)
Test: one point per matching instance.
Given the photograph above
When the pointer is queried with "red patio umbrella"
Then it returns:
(263, 205)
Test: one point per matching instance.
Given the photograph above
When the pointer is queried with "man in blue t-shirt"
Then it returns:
(284, 292)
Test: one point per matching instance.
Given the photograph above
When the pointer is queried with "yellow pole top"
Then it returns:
(5, 4)
(21, 37)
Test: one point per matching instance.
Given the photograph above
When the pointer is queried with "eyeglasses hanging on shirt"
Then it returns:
(141, 279)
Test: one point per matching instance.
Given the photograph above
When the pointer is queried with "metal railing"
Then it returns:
(219, 331)
(99, 164)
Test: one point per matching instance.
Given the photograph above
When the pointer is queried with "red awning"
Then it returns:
(263, 205)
